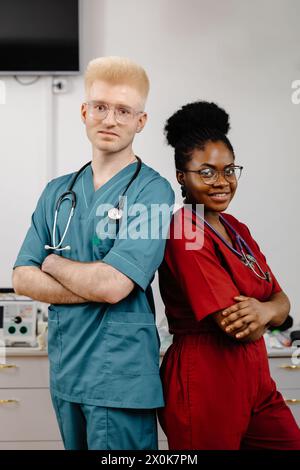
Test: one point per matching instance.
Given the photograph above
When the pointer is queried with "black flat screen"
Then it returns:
(39, 36)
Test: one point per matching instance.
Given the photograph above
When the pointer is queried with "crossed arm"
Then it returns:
(248, 318)
(63, 281)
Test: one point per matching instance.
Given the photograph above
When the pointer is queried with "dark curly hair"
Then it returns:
(192, 126)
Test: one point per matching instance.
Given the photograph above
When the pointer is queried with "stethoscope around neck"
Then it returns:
(247, 258)
(115, 213)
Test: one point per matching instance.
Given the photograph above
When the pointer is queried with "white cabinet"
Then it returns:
(26, 414)
(287, 378)
(27, 417)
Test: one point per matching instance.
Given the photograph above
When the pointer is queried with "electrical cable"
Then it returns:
(17, 78)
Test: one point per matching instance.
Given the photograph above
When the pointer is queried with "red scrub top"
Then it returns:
(196, 283)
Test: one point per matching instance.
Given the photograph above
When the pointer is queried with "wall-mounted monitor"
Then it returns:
(39, 37)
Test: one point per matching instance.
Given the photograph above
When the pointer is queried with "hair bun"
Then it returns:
(193, 118)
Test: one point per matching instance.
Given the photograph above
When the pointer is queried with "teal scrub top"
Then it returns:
(105, 354)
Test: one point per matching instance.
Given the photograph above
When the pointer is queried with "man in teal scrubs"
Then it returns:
(103, 343)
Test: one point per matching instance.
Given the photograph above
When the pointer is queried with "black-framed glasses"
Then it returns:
(99, 110)
(211, 175)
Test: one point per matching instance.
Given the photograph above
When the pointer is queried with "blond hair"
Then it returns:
(117, 71)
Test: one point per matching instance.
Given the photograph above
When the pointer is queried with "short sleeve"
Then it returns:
(139, 247)
(208, 287)
(32, 252)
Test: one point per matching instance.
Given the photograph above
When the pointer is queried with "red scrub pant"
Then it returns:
(219, 395)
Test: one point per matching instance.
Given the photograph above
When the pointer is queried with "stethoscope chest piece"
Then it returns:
(248, 260)
(115, 213)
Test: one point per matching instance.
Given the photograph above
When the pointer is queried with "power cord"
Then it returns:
(17, 78)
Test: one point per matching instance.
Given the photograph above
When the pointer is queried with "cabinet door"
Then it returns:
(292, 399)
(162, 438)
(32, 445)
(23, 372)
(28, 417)
(284, 372)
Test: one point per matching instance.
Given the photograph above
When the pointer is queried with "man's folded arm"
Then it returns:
(33, 282)
(96, 281)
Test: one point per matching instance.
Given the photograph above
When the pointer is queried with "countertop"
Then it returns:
(24, 351)
(281, 352)
(36, 351)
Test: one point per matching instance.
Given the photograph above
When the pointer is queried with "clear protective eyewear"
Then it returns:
(99, 110)
(211, 175)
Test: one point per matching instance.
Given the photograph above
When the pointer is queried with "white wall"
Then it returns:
(243, 55)
(23, 163)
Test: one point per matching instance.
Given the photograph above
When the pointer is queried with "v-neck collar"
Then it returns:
(90, 195)
(234, 248)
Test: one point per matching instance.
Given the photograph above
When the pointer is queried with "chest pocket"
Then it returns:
(104, 237)
(102, 247)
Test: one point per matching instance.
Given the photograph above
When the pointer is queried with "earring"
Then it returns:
(183, 190)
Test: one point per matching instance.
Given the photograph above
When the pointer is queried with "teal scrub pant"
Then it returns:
(90, 427)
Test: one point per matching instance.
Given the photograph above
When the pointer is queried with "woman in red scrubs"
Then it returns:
(220, 296)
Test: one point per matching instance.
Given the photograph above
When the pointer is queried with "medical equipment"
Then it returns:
(18, 319)
(114, 213)
(247, 258)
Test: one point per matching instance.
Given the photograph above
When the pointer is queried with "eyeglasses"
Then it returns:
(210, 175)
(99, 110)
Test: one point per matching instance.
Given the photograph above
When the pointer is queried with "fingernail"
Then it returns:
(228, 328)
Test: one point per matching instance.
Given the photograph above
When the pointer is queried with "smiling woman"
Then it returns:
(215, 179)
(219, 297)
(204, 158)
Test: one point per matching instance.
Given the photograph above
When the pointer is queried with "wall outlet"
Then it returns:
(60, 85)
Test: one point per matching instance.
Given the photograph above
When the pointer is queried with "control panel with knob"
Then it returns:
(18, 319)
